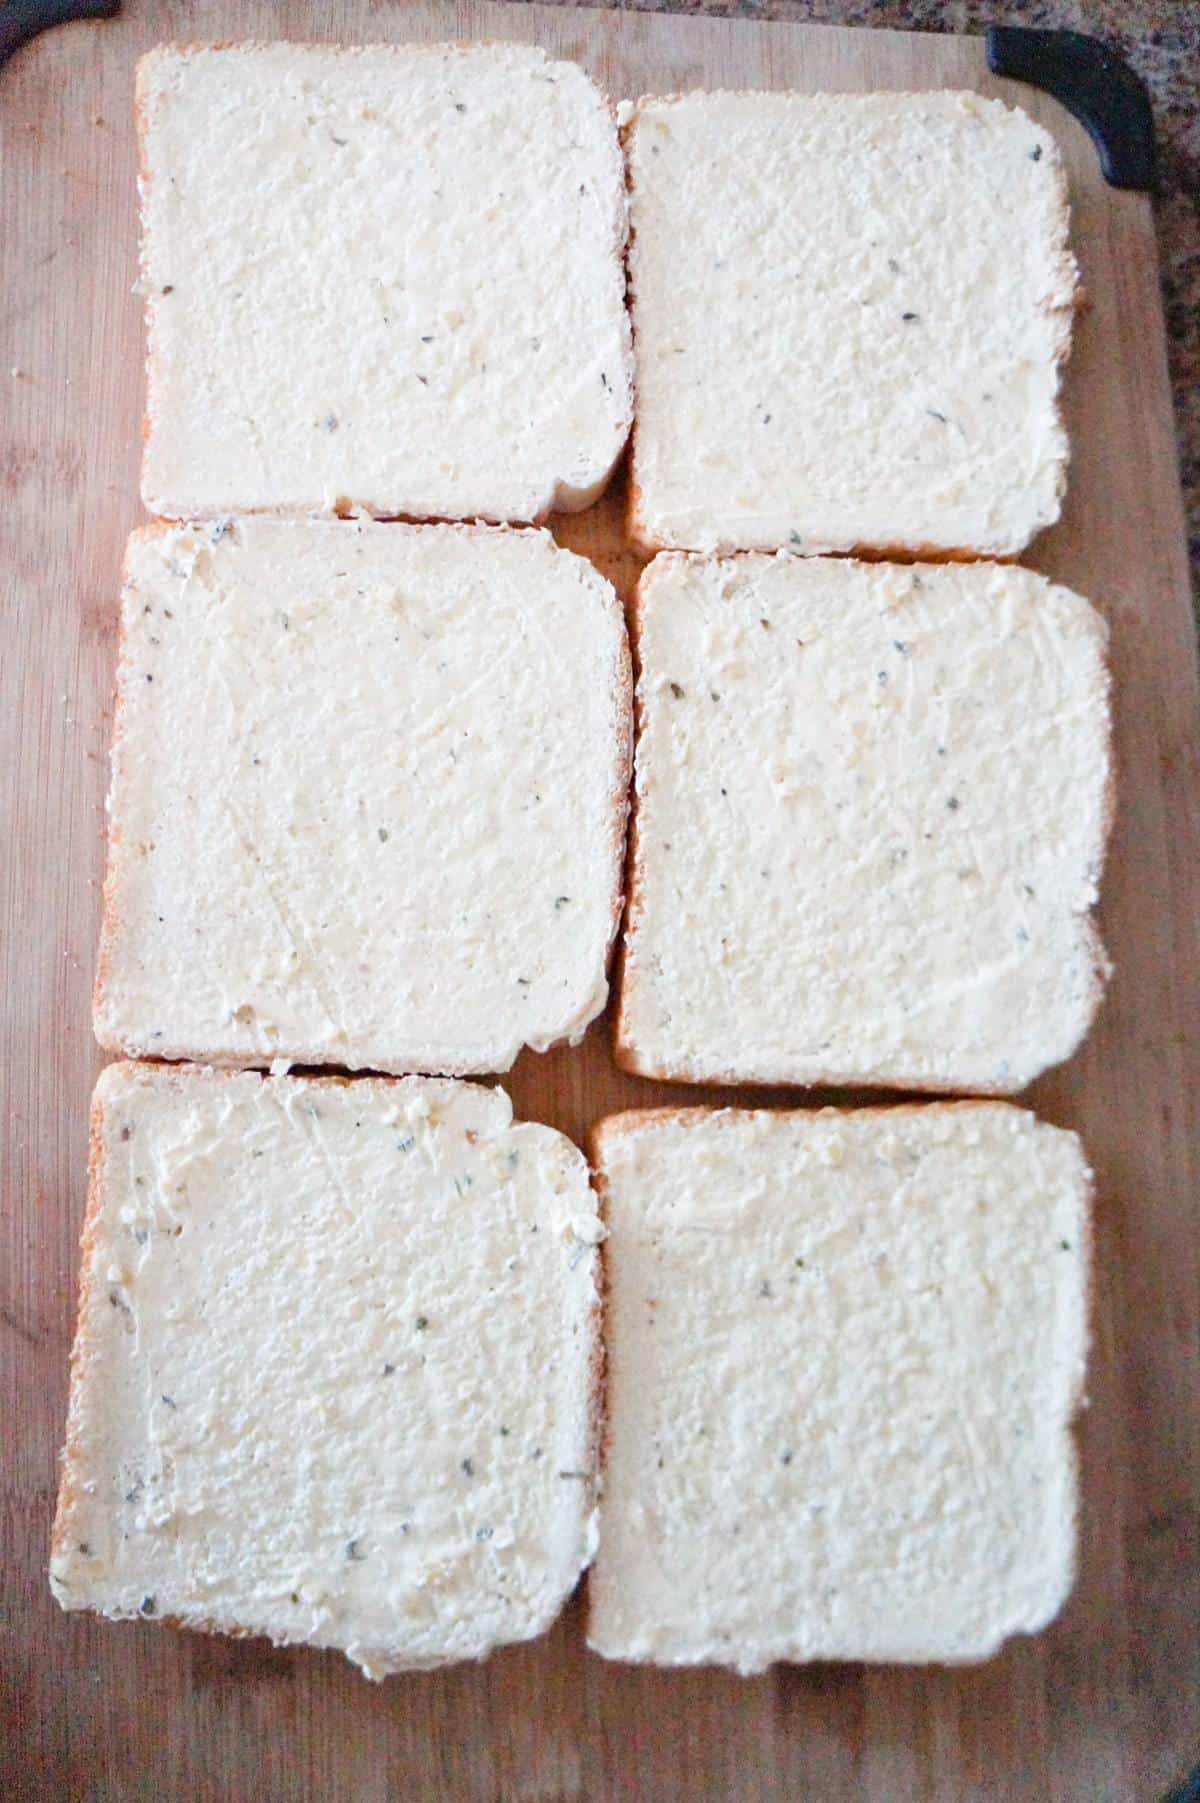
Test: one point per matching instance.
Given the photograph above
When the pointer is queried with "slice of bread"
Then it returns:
(369, 796)
(386, 279)
(871, 810)
(335, 1370)
(844, 1351)
(849, 315)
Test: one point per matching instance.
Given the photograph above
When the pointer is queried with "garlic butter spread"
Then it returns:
(333, 1375)
(368, 796)
(871, 808)
(849, 311)
(844, 1350)
(387, 278)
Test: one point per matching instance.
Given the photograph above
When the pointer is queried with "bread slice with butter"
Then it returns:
(844, 1350)
(369, 796)
(871, 810)
(850, 312)
(385, 279)
(335, 1373)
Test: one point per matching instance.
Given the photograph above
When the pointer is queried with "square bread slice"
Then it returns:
(871, 809)
(849, 315)
(335, 1370)
(369, 796)
(844, 1350)
(385, 279)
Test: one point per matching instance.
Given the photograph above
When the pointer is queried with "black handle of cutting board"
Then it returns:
(21, 20)
(1094, 83)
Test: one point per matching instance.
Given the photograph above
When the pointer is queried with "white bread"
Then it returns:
(335, 1369)
(384, 279)
(844, 1350)
(849, 315)
(369, 796)
(871, 809)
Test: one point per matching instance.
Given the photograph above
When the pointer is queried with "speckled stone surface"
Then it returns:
(1161, 39)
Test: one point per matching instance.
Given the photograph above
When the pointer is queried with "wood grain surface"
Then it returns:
(1106, 1704)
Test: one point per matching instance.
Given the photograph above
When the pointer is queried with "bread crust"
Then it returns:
(601, 1419)
(599, 1424)
(84, 1352)
(109, 915)
(624, 1048)
(622, 791)
(1067, 283)
(629, 1120)
(111, 921)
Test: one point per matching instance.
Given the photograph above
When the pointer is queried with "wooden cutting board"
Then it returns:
(1104, 1705)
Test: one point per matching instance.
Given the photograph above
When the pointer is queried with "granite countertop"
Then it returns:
(1161, 39)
